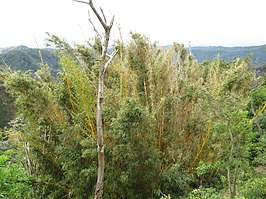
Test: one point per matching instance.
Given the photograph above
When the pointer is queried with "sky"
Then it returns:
(194, 22)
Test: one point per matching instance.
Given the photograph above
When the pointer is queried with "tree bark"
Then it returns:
(99, 121)
(100, 141)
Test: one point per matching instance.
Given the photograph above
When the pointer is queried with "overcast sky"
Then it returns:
(199, 22)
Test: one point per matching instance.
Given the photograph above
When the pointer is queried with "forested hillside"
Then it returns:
(256, 53)
(24, 58)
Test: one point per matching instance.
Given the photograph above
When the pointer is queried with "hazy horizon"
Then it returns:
(193, 46)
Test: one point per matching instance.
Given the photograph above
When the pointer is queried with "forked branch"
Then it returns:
(101, 20)
(103, 15)
(94, 28)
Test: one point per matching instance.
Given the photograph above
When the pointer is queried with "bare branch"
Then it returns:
(112, 22)
(94, 28)
(82, 2)
(103, 15)
(95, 12)
(110, 60)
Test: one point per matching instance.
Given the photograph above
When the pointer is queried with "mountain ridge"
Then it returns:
(257, 54)
(25, 58)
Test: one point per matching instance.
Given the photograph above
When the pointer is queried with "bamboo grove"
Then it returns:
(173, 127)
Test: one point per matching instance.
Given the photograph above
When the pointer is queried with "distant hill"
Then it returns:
(24, 58)
(258, 53)
(21, 58)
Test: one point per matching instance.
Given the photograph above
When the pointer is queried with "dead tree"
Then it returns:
(104, 62)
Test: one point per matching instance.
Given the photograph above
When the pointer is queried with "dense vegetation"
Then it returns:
(14, 182)
(174, 128)
(7, 109)
(24, 58)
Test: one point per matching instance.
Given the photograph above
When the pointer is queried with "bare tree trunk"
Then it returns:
(99, 120)
(103, 66)
(100, 141)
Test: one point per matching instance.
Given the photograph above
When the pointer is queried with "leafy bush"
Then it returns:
(14, 182)
(254, 188)
(176, 180)
(204, 193)
(134, 160)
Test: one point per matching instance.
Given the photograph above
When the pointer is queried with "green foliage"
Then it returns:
(256, 144)
(173, 127)
(138, 53)
(176, 181)
(7, 109)
(256, 107)
(255, 149)
(254, 188)
(14, 182)
(135, 161)
(57, 159)
(204, 193)
(258, 97)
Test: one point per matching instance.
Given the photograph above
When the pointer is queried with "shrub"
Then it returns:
(13, 177)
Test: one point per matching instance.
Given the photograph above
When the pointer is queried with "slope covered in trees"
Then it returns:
(174, 128)
(24, 58)
(257, 53)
